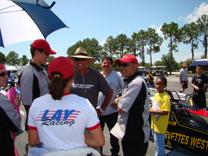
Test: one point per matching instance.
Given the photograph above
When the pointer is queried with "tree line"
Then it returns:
(148, 42)
(141, 43)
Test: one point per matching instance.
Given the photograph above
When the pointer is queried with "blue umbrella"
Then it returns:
(23, 20)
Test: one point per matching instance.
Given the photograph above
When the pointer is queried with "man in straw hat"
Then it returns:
(89, 82)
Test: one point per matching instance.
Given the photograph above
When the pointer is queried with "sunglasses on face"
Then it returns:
(43, 52)
(124, 64)
(2, 74)
(79, 59)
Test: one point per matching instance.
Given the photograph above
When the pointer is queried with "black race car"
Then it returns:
(188, 125)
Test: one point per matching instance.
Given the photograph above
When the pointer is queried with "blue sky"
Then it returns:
(102, 18)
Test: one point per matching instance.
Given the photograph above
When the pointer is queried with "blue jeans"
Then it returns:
(37, 151)
(159, 140)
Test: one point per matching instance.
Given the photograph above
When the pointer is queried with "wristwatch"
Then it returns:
(102, 111)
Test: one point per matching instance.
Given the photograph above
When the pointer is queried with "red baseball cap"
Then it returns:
(43, 44)
(127, 58)
(62, 65)
(2, 66)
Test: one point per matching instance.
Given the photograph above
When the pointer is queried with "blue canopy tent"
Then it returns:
(201, 62)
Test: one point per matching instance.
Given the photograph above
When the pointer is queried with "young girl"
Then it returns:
(160, 115)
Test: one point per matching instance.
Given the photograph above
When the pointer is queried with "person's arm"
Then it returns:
(193, 84)
(180, 76)
(6, 122)
(120, 84)
(107, 99)
(9, 117)
(33, 137)
(95, 137)
(128, 97)
(105, 103)
(26, 86)
(159, 112)
(205, 83)
(107, 92)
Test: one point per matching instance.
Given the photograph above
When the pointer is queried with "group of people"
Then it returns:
(81, 100)
(68, 104)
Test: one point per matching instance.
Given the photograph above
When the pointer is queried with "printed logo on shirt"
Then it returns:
(83, 86)
(57, 117)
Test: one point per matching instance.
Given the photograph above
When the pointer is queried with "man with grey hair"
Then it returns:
(133, 108)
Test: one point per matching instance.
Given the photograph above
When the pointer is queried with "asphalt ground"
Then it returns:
(173, 84)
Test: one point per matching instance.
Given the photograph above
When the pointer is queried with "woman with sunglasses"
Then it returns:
(9, 119)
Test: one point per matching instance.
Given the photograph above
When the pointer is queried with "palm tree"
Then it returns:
(12, 58)
(154, 41)
(173, 33)
(24, 60)
(110, 46)
(131, 47)
(190, 34)
(203, 26)
(121, 43)
(141, 42)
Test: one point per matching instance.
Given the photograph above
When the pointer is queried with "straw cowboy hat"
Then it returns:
(82, 54)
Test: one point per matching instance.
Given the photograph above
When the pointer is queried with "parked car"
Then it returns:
(159, 70)
(188, 125)
(143, 70)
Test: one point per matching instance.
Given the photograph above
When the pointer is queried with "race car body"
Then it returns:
(187, 130)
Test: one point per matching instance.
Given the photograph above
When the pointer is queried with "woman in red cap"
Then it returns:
(57, 121)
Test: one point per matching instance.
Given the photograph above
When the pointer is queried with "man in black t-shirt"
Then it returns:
(199, 84)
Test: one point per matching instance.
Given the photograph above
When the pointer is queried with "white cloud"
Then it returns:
(102, 42)
(158, 29)
(198, 55)
(198, 11)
